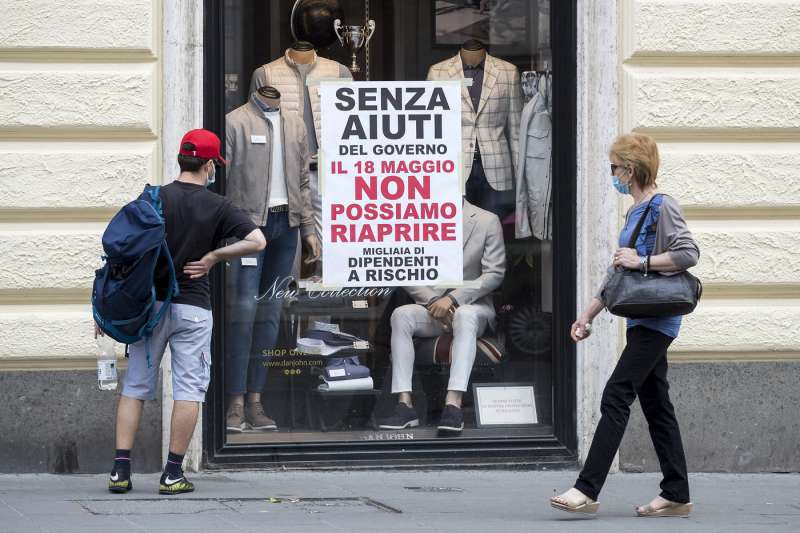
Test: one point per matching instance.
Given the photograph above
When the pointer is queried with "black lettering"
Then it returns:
(353, 128)
(367, 99)
(346, 102)
(396, 100)
(416, 93)
(353, 276)
(438, 100)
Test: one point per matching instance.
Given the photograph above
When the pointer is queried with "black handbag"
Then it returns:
(634, 294)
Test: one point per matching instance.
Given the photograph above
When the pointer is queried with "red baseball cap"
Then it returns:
(203, 144)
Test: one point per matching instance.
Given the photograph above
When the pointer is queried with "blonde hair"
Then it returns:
(639, 151)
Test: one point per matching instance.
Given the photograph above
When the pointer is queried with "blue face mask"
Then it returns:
(212, 177)
(622, 188)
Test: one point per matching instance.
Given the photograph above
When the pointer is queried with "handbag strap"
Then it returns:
(638, 229)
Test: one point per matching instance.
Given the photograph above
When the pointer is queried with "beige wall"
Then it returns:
(80, 113)
(717, 82)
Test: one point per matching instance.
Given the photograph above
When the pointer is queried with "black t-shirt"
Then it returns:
(196, 221)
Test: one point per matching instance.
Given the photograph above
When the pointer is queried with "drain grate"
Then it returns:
(435, 489)
(161, 506)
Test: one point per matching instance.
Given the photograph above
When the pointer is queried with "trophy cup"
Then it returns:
(354, 37)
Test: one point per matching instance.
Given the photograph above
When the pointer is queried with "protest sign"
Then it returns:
(391, 187)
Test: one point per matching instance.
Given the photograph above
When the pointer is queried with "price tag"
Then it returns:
(337, 372)
(361, 345)
(360, 304)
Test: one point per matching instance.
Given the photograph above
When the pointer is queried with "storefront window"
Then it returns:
(306, 363)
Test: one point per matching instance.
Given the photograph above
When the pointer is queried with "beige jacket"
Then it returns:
(247, 177)
(484, 262)
(284, 76)
(496, 121)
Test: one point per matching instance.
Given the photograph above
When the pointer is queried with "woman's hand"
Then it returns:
(581, 329)
(627, 258)
(198, 269)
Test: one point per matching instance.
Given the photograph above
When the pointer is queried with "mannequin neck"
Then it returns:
(472, 57)
(274, 103)
(302, 57)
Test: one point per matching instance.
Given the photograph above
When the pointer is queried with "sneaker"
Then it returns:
(402, 418)
(255, 418)
(452, 420)
(234, 420)
(119, 482)
(170, 485)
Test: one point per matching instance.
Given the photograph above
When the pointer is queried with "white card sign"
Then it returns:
(504, 404)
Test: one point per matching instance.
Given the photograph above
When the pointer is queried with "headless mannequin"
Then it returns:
(271, 98)
(472, 52)
(302, 52)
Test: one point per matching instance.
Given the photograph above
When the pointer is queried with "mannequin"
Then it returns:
(490, 115)
(268, 178)
(470, 310)
(295, 75)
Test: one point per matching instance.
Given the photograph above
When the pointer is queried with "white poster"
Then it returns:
(505, 406)
(390, 183)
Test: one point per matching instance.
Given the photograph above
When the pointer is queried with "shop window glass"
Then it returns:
(285, 342)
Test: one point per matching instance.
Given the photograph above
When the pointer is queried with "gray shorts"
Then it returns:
(187, 329)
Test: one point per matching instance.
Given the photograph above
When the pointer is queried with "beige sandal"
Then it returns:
(675, 509)
(587, 507)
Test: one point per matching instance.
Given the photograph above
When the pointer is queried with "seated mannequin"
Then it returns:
(467, 311)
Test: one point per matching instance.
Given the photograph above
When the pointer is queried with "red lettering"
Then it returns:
(448, 231)
(415, 187)
(337, 233)
(362, 187)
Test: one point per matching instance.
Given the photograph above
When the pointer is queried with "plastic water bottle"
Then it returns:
(106, 363)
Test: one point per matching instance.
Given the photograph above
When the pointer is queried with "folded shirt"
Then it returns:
(344, 368)
(348, 385)
(325, 326)
(332, 338)
(323, 342)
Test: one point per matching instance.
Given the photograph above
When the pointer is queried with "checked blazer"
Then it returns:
(495, 124)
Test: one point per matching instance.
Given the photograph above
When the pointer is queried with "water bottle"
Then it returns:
(106, 363)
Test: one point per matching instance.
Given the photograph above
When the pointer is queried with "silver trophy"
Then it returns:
(354, 37)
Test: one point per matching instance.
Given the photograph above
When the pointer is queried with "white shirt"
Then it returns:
(278, 195)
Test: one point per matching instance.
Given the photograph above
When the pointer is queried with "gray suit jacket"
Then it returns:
(534, 172)
(484, 261)
(247, 177)
(496, 121)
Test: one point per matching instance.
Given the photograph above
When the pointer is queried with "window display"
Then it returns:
(308, 361)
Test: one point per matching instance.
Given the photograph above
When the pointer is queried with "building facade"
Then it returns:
(95, 95)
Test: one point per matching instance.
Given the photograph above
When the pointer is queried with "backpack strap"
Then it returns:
(638, 229)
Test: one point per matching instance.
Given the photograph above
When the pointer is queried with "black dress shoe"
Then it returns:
(452, 420)
(402, 418)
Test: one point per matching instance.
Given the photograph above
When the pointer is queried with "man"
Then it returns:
(196, 220)
(468, 310)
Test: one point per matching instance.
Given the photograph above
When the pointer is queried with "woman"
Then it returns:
(664, 245)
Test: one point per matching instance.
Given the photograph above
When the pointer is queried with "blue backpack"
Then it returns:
(124, 291)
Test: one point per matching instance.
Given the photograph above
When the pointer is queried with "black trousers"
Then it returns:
(642, 371)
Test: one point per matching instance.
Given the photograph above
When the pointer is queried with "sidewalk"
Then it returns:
(379, 501)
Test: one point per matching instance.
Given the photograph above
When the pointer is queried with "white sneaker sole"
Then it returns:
(272, 427)
(451, 429)
(409, 424)
(235, 429)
